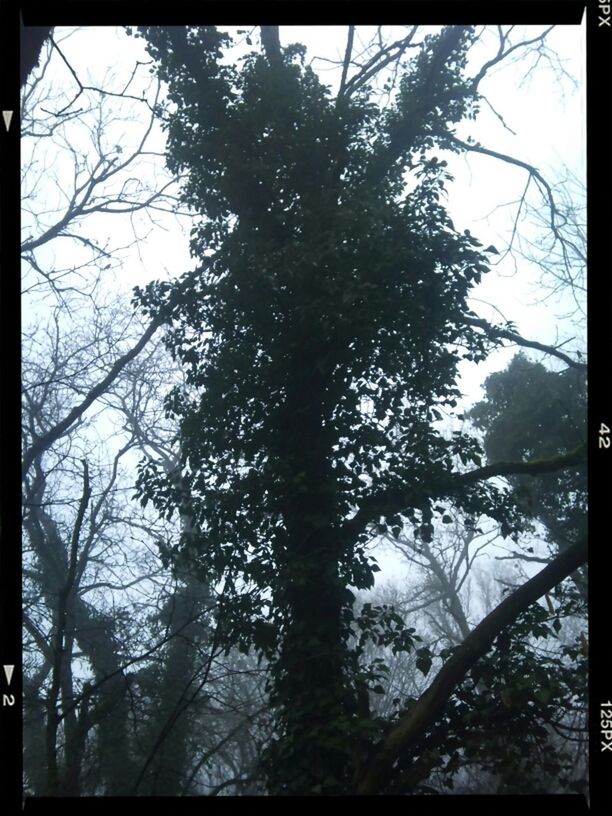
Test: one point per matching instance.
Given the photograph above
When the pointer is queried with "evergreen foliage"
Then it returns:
(319, 334)
(530, 412)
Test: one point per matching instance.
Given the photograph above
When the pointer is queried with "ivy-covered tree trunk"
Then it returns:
(311, 685)
(318, 334)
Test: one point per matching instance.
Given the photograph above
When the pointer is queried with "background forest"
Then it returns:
(304, 512)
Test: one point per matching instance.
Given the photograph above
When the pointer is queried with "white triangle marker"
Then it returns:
(7, 116)
(8, 671)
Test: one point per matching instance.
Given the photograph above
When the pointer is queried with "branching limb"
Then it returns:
(44, 442)
(503, 52)
(494, 331)
(375, 64)
(122, 94)
(476, 645)
(388, 502)
(533, 468)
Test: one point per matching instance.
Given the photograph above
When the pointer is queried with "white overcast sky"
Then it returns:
(546, 114)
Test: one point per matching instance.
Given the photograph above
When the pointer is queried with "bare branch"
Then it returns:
(494, 331)
(82, 88)
(380, 60)
(44, 442)
(347, 58)
(503, 52)
(534, 174)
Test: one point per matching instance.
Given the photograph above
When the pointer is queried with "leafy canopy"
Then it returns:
(530, 412)
(320, 330)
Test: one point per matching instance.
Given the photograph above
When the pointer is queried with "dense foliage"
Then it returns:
(520, 424)
(320, 335)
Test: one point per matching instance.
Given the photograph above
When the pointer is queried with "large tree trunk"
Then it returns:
(312, 687)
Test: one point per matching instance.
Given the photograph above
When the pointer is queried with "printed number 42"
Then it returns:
(604, 436)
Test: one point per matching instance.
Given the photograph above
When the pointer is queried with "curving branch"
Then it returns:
(427, 709)
(494, 331)
(532, 468)
(533, 171)
(543, 186)
(392, 500)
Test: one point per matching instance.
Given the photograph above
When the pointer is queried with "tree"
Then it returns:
(559, 253)
(534, 683)
(320, 335)
(519, 424)
(120, 657)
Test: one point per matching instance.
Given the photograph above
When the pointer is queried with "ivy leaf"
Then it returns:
(423, 661)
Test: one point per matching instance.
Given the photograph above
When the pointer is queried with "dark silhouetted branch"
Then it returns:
(412, 726)
(494, 331)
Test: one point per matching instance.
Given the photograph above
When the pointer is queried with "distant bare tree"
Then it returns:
(120, 656)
